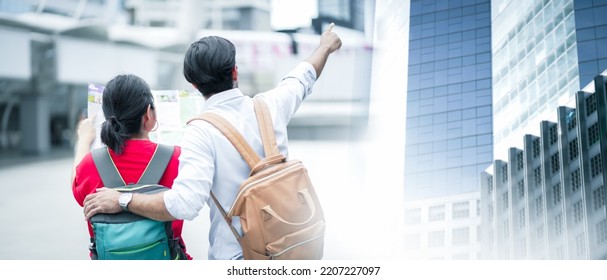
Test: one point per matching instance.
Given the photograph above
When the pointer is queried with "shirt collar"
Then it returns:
(222, 97)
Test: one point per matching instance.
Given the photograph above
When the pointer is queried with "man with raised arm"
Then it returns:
(208, 161)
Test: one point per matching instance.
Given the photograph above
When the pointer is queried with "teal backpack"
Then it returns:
(128, 236)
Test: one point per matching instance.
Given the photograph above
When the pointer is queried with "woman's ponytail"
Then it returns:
(114, 134)
(126, 99)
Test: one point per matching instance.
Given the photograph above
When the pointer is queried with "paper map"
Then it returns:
(173, 109)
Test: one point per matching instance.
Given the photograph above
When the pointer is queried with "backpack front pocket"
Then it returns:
(156, 250)
(138, 240)
(305, 244)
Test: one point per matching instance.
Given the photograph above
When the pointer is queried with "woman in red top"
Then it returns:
(128, 107)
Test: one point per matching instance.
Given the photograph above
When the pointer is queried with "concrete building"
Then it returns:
(58, 47)
(195, 15)
(447, 228)
(547, 201)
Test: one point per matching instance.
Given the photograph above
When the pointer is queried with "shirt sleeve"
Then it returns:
(292, 90)
(192, 186)
(86, 179)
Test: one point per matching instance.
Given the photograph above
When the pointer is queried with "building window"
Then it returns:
(555, 163)
(505, 201)
(598, 197)
(573, 149)
(576, 181)
(464, 256)
(519, 161)
(580, 245)
(523, 248)
(560, 253)
(506, 228)
(490, 212)
(558, 225)
(536, 148)
(491, 240)
(521, 218)
(521, 189)
(436, 239)
(593, 134)
(461, 236)
(578, 212)
(413, 216)
(461, 210)
(601, 231)
(553, 135)
(537, 176)
(504, 173)
(490, 185)
(595, 166)
(436, 213)
(556, 193)
(539, 206)
(412, 241)
(478, 207)
(571, 120)
(540, 236)
(590, 104)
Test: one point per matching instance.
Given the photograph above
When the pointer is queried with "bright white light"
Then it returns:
(292, 14)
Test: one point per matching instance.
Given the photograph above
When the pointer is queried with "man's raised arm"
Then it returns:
(329, 43)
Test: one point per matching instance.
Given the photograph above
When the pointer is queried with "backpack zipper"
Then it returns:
(272, 256)
(138, 249)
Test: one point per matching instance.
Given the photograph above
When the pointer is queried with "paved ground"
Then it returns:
(40, 219)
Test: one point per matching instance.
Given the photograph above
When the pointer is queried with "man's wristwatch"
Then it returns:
(124, 201)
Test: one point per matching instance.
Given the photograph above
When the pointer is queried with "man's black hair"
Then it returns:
(208, 65)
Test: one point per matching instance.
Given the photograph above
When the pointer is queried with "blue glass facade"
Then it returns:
(544, 51)
(449, 97)
(591, 30)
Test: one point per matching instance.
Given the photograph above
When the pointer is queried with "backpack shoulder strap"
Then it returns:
(157, 165)
(151, 175)
(226, 218)
(228, 130)
(266, 127)
(107, 169)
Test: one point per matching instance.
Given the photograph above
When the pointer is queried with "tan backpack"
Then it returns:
(279, 211)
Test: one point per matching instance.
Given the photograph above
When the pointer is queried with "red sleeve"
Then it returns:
(170, 172)
(86, 180)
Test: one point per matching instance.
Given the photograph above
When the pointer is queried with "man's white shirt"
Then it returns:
(208, 160)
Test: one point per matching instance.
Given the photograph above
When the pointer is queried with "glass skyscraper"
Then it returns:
(544, 51)
(449, 122)
(543, 198)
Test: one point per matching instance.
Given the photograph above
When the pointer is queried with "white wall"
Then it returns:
(15, 58)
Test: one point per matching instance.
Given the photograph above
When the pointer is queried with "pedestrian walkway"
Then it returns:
(15, 158)
(42, 221)
(40, 218)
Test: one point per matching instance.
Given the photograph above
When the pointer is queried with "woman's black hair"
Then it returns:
(208, 64)
(125, 100)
